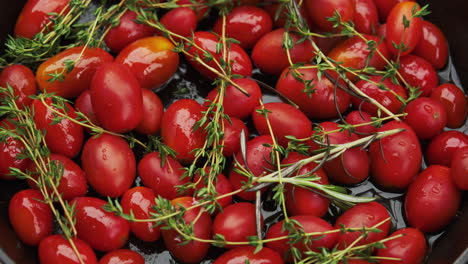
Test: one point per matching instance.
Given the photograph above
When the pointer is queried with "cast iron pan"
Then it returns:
(450, 247)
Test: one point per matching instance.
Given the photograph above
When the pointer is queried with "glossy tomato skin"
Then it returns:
(126, 32)
(419, 73)
(102, 230)
(247, 24)
(320, 10)
(433, 45)
(84, 105)
(426, 116)
(116, 98)
(455, 103)
(70, 133)
(200, 9)
(151, 60)
(194, 251)
(363, 215)
(139, 201)
(284, 119)
(22, 81)
(385, 6)
(268, 53)
(207, 42)
(76, 81)
(236, 222)
(358, 118)
(181, 20)
(411, 248)
(222, 186)
(121, 256)
(233, 97)
(232, 135)
(153, 111)
(240, 255)
(55, 249)
(432, 199)
(35, 16)
(366, 17)
(396, 31)
(10, 148)
(441, 148)
(302, 201)
(318, 102)
(109, 164)
(30, 217)
(459, 168)
(162, 179)
(177, 129)
(396, 159)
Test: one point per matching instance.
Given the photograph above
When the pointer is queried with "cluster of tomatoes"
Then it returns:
(116, 94)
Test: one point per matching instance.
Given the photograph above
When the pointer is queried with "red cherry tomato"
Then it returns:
(385, 6)
(35, 16)
(21, 79)
(459, 168)
(318, 99)
(163, 179)
(398, 33)
(455, 103)
(153, 111)
(358, 118)
(426, 116)
(284, 120)
(139, 201)
(363, 215)
(222, 186)
(10, 149)
(419, 73)
(247, 24)
(79, 78)
(396, 159)
(126, 32)
(411, 248)
(236, 223)
(232, 135)
(366, 18)
(116, 98)
(432, 199)
(102, 230)
(302, 201)
(270, 56)
(30, 216)
(181, 20)
(194, 251)
(122, 256)
(320, 10)
(151, 60)
(178, 128)
(70, 133)
(84, 105)
(109, 164)
(247, 254)
(197, 5)
(433, 45)
(441, 148)
(56, 249)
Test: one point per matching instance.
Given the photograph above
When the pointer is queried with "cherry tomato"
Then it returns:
(318, 99)
(151, 60)
(441, 148)
(410, 248)
(55, 249)
(433, 45)
(126, 32)
(419, 73)
(179, 128)
(116, 98)
(459, 168)
(109, 164)
(270, 56)
(222, 186)
(405, 36)
(247, 24)
(366, 18)
(139, 201)
(320, 10)
(367, 215)
(455, 103)
(153, 111)
(162, 177)
(432, 199)
(79, 78)
(122, 256)
(21, 79)
(426, 116)
(232, 135)
(30, 216)
(284, 120)
(279, 14)
(385, 6)
(359, 118)
(84, 105)
(197, 6)
(102, 230)
(181, 20)
(70, 133)
(10, 149)
(396, 159)
(248, 254)
(302, 201)
(193, 251)
(36, 15)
